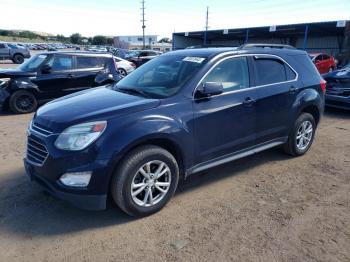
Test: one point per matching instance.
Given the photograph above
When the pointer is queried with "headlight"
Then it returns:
(80, 136)
(4, 81)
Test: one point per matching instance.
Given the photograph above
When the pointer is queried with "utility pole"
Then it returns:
(143, 23)
(206, 26)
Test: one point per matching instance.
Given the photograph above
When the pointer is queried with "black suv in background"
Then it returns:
(178, 114)
(50, 75)
(139, 57)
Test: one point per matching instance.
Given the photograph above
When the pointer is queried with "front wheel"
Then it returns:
(301, 136)
(22, 102)
(145, 180)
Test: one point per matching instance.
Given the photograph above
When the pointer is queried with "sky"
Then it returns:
(116, 17)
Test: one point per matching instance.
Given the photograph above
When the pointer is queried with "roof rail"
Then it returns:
(246, 46)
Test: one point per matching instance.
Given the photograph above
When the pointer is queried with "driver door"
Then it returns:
(60, 77)
(225, 123)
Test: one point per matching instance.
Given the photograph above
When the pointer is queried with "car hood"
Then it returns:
(338, 74)
(95, 104)
(15, 73)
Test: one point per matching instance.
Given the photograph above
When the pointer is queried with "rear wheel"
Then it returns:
(22, 102)
(145, 181)
(18, 59)
(302, 135)
(122, 72)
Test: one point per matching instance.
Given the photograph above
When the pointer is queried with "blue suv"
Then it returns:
(178, 114)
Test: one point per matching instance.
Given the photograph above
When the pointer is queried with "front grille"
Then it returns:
(40, 129)
(36, 151)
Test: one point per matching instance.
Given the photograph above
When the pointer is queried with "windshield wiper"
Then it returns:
(133, 91)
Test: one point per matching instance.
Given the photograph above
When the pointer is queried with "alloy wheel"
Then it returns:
(151, 183)
(304, 135)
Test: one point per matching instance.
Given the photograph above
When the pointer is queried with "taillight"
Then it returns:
(115, 64)
(323, 84)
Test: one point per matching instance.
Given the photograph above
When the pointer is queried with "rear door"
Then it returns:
(277, 87)
(85, 72)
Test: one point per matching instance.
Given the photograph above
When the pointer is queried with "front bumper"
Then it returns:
(342, 102)
(4, 95)
(79, 198)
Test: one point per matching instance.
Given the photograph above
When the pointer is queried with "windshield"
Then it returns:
(162, 76)
(13, 46)
(33, 63)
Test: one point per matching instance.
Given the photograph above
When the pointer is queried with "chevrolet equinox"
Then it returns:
(180, 113)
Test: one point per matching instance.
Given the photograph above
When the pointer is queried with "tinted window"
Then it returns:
(269, 71)
(232, 73)
(90, 62)
(325, 57)
(2, 46)
(291, 75)
(61, 62)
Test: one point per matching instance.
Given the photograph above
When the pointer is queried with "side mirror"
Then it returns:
(46, 69)
(210, 89)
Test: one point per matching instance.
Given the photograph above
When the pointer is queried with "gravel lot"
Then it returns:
(266, 207)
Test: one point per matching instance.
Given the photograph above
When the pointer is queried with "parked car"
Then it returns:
(13, 52)
(180, 113)
(124, 67)
(139, 57)
(50, 75)
(338, 88)
(323, 62)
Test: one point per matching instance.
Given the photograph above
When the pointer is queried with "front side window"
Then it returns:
(163, 76)
(325, 57)
(90, 62)
(271, 71)
(61, 62)
(232, 73)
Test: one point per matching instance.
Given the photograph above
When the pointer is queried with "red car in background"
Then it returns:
(323, 62)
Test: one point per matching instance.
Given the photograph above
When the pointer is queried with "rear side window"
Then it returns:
(232, 73)
(271, 71)
(2, 46)
(90, 62)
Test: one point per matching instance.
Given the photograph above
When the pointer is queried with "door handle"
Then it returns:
(293, 89)
(70, 75)
(248, 101)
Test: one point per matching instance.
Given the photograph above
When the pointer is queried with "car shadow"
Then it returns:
(337, 113)
(25, 209)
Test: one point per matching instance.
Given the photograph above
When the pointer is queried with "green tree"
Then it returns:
(99, 40)
(76, 38)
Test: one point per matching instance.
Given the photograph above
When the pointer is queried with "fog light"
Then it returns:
(76, 179)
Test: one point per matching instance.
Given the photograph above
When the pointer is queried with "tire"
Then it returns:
(298, 147)
(18, 59)
(128, 173)
(122, 72)
(22, 102)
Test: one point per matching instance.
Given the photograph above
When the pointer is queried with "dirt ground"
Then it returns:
(267, 207)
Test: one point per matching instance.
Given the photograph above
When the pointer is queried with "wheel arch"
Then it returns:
(314, 111)
(164, 142)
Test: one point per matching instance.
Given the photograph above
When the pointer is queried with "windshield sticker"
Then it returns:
(194, 59)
